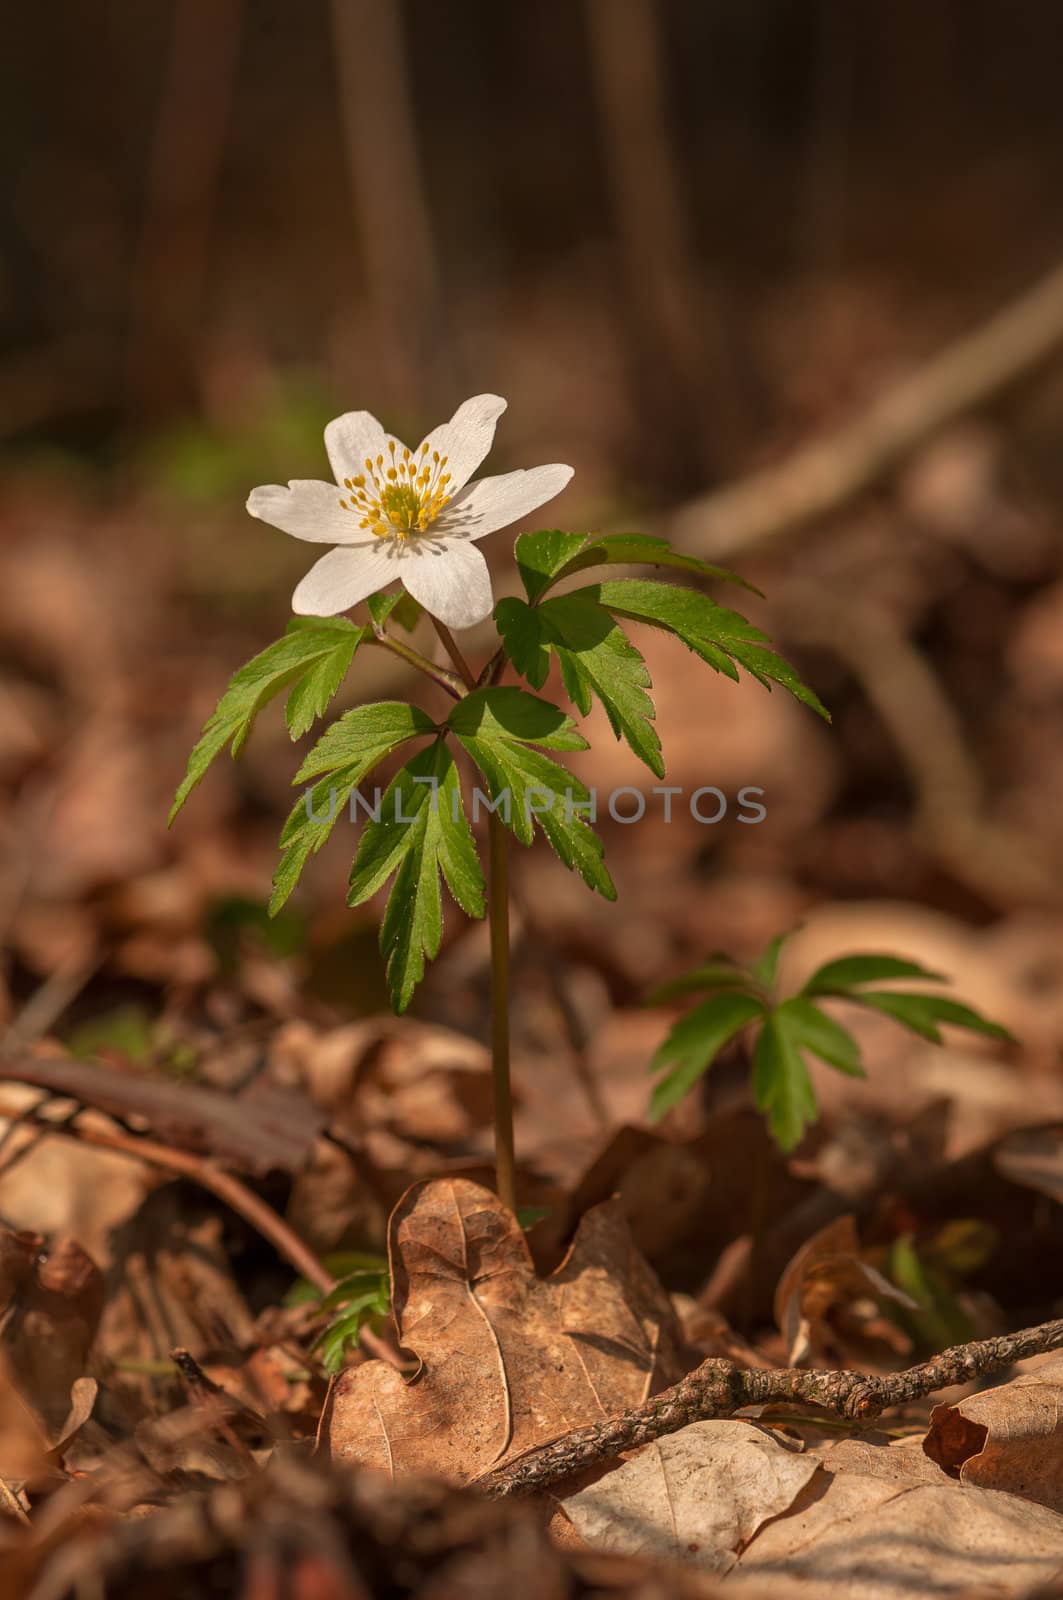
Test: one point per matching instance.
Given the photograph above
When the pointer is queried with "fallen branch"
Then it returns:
(824, 475)
(719, 1389)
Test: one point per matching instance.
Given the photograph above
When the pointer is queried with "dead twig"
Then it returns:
(223, 1185)
(824, 475)
(719, 1389)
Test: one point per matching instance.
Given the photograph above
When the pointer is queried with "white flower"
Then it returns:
(408, 514)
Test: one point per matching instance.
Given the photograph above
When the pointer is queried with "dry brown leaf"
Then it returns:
(826, 1273)
(52, 1325)
(871, 1539)
(506, 1361)
(733, 1498)
(697, 1495)
(879, 1456)
(23, 1447)
(1009, 1437)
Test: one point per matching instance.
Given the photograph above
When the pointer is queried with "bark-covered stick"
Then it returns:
(719, 1389)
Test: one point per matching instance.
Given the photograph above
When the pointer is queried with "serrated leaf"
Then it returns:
(921, 1013)
(367, 1280)
(642, 549)
(511, 713)
(811, 1029)
(541, 556)
(596, 657)
(422, 832)
(311, 694)
(694, 1043)
(342, 757)
(721, 637)
(782, 1088)
(341, 1334)
(549, 555)
(314, 655)
(836, 977)
(498, 727)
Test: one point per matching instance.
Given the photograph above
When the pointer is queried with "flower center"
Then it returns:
(399, 495)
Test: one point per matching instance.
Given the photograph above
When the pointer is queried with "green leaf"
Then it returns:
(921, 1013)
(724, 639)
(528, 1216)
(541, 556)
(342, 1332)
(766, 966)
(509, 713)
(422, 832)
(782, 1087)
(836, 977)
(498, 728)
(355, 1285)
(398, 606)
(719, 972)
(342, 757)
(545, 557)
(314, 655)
(344, 1265)
(642, 549)
(811, 1029)
(595, 656)
(694, 1043)
(311, 694)
(941, 1319)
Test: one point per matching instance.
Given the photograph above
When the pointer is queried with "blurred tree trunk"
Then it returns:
(389, 201)
(678, 321)
(184, 164)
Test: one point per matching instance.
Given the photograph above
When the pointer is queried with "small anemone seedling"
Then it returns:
(404, 525)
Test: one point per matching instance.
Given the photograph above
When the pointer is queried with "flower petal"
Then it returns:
(343, 577)
(492, 503)
(466, 439)
(450, 579)
(351, 438)
(307, 509)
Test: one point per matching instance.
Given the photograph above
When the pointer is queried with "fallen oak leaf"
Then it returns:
(697, 1496)
(730, 1499)
(859, 1537)
(505, 1360)
(1009, 1437)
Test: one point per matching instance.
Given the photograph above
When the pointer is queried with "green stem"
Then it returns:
(498, 922)
(450, 645)
(446, 680)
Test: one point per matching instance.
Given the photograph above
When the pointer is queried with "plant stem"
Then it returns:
(498, 922)
(450, 645)
(440, 675)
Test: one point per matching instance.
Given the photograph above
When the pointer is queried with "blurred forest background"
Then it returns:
(689, 240)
